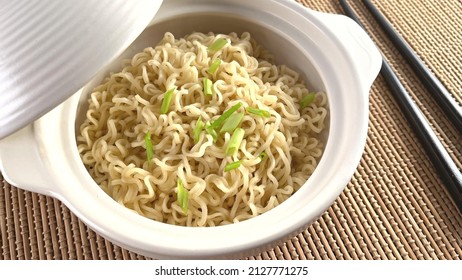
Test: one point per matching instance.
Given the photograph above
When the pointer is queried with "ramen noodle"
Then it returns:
(203, 130)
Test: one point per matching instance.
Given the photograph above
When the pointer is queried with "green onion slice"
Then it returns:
(232, 122)
(214, 66)
(198, 129)
(210, 130)
(226, 114)
(167, 100)
(207, 86)
(218, 44)
(235, 141)
(182, 196)
(149, 147)
(258, 112)
(307, 100)
(263, 156)
(232, 165)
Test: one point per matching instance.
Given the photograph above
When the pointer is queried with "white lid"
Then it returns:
(49, 49)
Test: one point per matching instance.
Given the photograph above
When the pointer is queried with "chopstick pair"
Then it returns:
(436, 88)
(441, 160)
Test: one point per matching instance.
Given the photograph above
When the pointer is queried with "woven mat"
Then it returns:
(394, 207)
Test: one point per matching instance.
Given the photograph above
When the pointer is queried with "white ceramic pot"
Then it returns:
(333, 53)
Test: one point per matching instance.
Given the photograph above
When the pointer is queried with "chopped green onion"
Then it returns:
(226, 114)
(232, 165)
(182, 196)
(210, 130)
(167, 100)
(263, 156)
(218, 44)
(198, 129)
(214, 66)
(232, 122)
(235, 141)
(258, 112)
(307, 100)
(207, 86)
(149, 148)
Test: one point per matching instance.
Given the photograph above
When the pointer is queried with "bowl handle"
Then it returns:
(21, 162)
(366, 56)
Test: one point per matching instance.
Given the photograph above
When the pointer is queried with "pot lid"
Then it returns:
(49, 49)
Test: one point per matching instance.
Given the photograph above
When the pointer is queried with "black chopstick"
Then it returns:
(439, 92)
(444, 165)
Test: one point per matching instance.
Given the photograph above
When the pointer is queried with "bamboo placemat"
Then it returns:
(394, 207)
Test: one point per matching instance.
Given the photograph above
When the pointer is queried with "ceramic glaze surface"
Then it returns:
(50, 49)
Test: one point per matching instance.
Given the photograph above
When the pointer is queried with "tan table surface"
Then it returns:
(394, 207)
